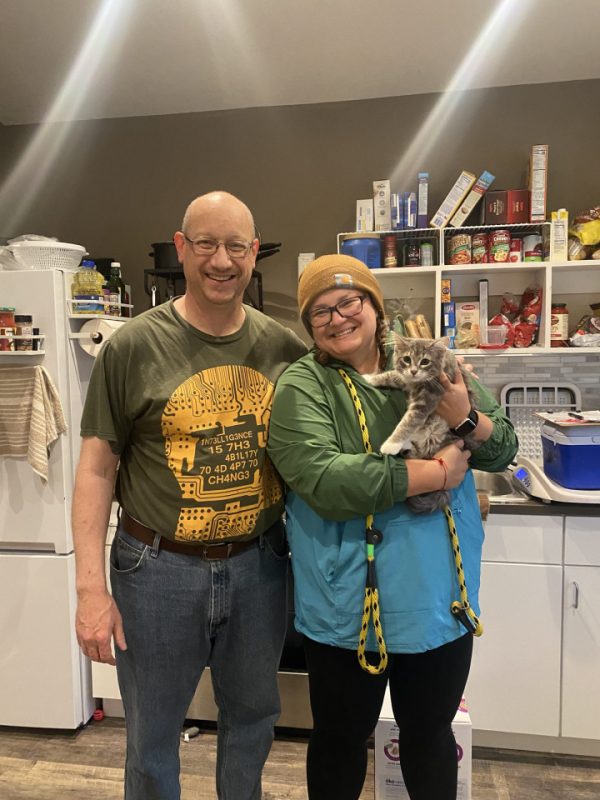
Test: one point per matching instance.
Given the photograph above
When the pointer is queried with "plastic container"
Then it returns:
(86, 290)
(496, 334)
(571, 455)
(364, 246)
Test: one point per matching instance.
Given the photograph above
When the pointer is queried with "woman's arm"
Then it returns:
(306, 431)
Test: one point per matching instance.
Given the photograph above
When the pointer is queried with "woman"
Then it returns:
(316, 444)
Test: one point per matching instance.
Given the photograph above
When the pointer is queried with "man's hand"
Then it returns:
(97, 622)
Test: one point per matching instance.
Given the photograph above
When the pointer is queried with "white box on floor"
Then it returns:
(389, 784)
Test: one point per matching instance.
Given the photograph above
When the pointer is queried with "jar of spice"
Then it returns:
(7, 317)
(559, 325)
(24, 327)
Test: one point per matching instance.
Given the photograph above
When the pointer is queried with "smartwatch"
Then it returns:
(467, 426)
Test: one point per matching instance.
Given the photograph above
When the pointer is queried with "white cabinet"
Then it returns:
(514, 685)
(576, 283)
(581, 639)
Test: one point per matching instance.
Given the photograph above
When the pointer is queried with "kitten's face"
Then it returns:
(418, 360)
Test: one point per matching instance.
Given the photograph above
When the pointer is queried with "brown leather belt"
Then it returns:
(207, 552)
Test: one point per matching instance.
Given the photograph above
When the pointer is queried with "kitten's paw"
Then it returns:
(391, 448)
(369, 377)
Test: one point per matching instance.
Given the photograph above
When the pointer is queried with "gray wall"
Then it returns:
(120, 184)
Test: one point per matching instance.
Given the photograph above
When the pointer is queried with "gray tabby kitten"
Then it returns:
(421, 432)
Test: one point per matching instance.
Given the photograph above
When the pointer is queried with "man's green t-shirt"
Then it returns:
(188, 414)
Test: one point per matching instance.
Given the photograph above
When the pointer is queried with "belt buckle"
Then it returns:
(206, 555)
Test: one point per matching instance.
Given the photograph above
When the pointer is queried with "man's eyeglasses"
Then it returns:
(208, 247)
(321, 316)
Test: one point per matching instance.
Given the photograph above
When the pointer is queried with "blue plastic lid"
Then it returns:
(88, 264)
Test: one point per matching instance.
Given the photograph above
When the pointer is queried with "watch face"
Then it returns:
(468, 425)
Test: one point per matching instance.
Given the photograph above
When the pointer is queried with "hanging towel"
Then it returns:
(31, 416)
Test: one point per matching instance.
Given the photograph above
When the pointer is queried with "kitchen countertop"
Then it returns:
(529, 505)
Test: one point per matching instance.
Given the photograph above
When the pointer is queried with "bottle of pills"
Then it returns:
(559, 325)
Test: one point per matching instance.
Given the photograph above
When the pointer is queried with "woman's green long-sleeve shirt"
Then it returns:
(316, 444)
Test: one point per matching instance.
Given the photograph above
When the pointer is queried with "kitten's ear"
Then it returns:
(443, 342)
(399, 341)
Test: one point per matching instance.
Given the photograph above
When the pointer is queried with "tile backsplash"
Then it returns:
(581, 369)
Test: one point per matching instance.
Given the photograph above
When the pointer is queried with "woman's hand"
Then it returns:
(455, 405)
(468, 367)
(457, 462)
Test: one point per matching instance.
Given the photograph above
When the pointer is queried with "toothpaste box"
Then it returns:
(389, 783)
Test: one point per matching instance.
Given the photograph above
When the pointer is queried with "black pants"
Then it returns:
(425, 688)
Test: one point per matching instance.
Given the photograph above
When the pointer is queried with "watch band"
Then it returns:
(468, 425)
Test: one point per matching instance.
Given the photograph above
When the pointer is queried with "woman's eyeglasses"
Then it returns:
(350, 307)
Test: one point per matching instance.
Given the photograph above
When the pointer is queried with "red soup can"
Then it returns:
(480, 253)
(499, 246)
(516, 250)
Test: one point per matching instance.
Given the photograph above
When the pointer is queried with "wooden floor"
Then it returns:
(87, 765)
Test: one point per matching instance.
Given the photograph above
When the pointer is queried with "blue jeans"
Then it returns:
(180, 614)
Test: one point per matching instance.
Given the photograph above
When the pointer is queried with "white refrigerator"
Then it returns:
(44, 679)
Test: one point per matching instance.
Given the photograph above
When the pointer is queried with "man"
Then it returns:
(177, 414)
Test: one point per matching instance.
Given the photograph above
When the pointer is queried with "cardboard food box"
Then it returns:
(453, 199)
(467, 324)
(389, 783)
(483, 183)
(538, 182)
(364, 215)
(382, 205)
(506, 206)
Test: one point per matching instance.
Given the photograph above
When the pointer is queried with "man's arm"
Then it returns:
(98, 620)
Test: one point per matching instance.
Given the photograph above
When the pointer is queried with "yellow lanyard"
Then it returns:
(461, 610)
(373, 537)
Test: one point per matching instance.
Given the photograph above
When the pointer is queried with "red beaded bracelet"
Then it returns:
(445, 468)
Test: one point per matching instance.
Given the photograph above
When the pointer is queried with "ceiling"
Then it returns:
(89, 59)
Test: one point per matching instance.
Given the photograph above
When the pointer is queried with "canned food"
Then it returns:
(532, 247)
(499, 246)
(460, 249)
(516, 250)
(480, 248)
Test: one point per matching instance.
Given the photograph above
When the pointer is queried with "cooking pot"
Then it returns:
(165, 256)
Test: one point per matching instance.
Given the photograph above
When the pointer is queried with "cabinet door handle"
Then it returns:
(576, 595)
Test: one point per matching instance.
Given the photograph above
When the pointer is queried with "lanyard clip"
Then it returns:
(374, 536)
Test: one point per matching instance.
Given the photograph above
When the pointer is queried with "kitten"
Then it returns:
(421, 432)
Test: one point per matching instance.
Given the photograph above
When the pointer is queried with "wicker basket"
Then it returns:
(48, 255)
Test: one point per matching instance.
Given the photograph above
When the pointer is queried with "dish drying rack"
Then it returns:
(521, 401)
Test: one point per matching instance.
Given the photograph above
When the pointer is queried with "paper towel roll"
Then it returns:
(97, 331)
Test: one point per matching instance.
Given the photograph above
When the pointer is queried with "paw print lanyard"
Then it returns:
(461, 610)
(372, 537)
